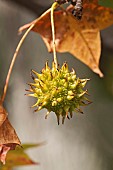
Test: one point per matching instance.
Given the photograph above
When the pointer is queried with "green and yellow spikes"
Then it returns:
(58, 90)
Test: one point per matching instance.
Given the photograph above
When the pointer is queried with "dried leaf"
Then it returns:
(8, 137)
(80, 38)
(18, 157)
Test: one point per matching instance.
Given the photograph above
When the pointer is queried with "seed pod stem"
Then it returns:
(54, 6)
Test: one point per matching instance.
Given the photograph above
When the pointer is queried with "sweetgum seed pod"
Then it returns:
(32, 95)
(73, 77)
(54, 92)
(84, 83)
(59, 99)
(47, 68)
(72, 108)
(39, 108)
(45, 88)
(73, 72)
(37, 74)
(80, 95)
(70, 92)
(37, 91)
(58, 90)
(69, 78)
(70, 97)
(47, 97)
(71, 114)
(46, 116)
(73, 86)
(62, 81)
(54, 103)
(66, 84)
(60, 111)
(36, 80)
(37, 103)
(44, 103)
(66, 108)
(34, 84)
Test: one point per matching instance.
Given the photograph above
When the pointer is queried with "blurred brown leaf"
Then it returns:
(8, 137)
(80, 38)
(18, 157)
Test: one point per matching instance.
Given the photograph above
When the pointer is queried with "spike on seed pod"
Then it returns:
(71, 114)
(47, 114)
(63, 119)
(31, 73)
(58, 90)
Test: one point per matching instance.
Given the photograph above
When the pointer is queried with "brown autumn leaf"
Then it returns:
(8, 137)
(80, 38)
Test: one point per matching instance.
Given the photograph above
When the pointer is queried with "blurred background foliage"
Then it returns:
(86, 141)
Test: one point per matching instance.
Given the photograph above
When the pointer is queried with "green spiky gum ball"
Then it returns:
(58, 90)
